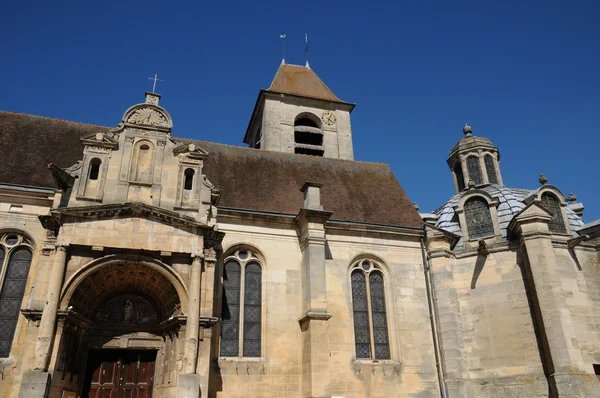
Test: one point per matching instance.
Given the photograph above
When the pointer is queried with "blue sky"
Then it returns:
(525, 74)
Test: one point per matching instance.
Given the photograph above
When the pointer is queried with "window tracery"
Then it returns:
(369, 310)
(557, 223)
(15, 260)
(474, 169)
(478, 218)
(241, 323)
(490, 168)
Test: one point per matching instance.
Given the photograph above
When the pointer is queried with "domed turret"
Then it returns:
(474, 159)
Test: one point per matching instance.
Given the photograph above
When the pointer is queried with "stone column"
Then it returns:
(207, 319)
(189, 382)
(193, 314)
(314, 322)
(568, 375)
(43, 347)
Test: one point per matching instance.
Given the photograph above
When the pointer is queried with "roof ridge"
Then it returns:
(2, 112)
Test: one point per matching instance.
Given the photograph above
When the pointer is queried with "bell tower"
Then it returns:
(474, 160)
(299, 114)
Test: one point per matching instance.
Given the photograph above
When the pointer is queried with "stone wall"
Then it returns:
(410, 372)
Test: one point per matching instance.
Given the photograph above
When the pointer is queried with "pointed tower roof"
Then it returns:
(301, 81)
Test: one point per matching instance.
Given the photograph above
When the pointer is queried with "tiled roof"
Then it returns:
(510, 203)
(248, 178)
(301, 81)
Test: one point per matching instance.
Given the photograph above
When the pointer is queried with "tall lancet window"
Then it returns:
(369, 309)
(474, 170)
(460, 179)
(15, 260)
(479, 218)
(490, 168)
(556, 223)
(142, 164)
(241, 314)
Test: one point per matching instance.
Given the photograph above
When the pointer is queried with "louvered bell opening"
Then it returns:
(309, 140)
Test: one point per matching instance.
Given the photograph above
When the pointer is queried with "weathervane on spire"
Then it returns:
(155, 78)
(282, 37)
(306, 50)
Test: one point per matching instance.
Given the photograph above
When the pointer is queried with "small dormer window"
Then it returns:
(189, 179)
(556, 224)
(474, 169)
(94, 169)
(478, 218)
(308, 136)
(490, 168)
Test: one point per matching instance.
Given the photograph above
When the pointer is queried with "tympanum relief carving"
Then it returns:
(148, 117)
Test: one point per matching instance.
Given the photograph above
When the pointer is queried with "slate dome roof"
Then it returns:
(511, 201)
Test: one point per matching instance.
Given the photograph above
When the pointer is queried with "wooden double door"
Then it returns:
(119, 374)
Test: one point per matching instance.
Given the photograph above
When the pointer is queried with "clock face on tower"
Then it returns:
(328, 117)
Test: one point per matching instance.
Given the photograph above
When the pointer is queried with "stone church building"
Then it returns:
(137, 264)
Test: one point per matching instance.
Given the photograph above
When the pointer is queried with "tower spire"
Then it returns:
(282, 37)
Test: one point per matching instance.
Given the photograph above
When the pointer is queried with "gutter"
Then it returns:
(433, 319)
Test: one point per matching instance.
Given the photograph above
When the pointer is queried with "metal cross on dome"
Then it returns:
(155, 78)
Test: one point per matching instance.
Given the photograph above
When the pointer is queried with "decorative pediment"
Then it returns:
(191, 150)
(148, 116)
(100, 140)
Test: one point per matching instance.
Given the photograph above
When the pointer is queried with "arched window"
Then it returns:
(490, 168)
(15, 259)
(242, 305)
(369, 310)
(188, 179)
(556, 223)
(308, 135)
(142, 165)
(94, 169)
(474, 169)
(460, 180)
(479, 218)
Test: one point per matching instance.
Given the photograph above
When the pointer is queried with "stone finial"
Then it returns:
(572, 198)
(152, 98)
(467, 130)
(543, 180)
(472, 184)
(416, 206)
(312, 195)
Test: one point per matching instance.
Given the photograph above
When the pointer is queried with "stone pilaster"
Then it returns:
(567, 373)
(449, 319)
(45, 338)
(314, 321)
(207, 319)
(193, 316)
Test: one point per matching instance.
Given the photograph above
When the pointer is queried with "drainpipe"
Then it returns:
(433, 320)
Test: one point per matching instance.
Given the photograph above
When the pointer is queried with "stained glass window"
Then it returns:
(241, 328)
(479, 219)
(360, 307)
(16, 261)
(380, 331)
(474, 169)
(369, 310)
(490, 168)
(230, 323)
(252, 309)
(460, 179)
(556, 223)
